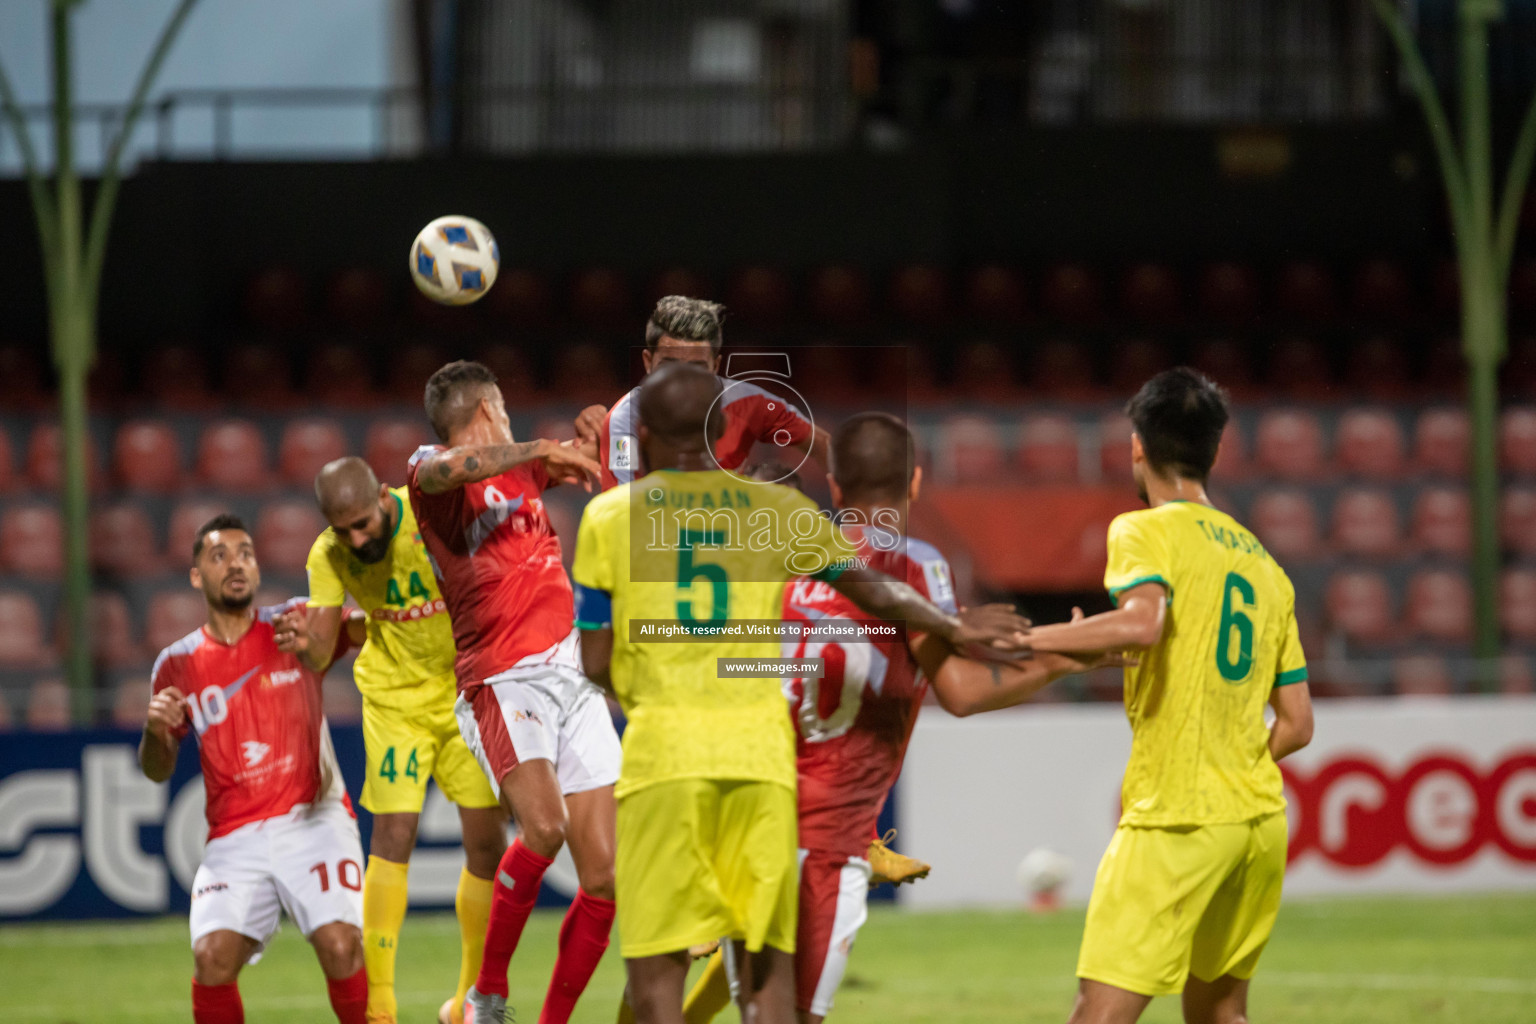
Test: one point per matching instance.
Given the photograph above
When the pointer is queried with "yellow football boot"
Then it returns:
(886, 865)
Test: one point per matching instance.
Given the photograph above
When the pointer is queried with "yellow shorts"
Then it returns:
(701, 859)
(1168, 903)
(404, 748)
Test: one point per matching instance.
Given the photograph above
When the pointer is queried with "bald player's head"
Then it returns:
(361, 511)
(874, 459)
(679, 412)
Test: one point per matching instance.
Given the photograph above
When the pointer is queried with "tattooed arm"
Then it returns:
(467, 464)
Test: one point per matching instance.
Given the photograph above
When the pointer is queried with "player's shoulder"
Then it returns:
(622, 414)
(182, 651)
(265, 615)
(423, 452)
(738, 396)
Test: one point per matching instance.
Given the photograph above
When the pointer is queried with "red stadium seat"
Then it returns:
(919, 294)
(600, 298)
(1048, 449)
(232, 456)
(339, 377)
(1134, 361)
(1442, 522)
(1152, 293)
(1441, 438)
(123, 541)
(1382, 291)
(44, 459)
(1517, 604)
(1071, 293)
(32, 541)
(285, 531)
(1305, 290)
(277, 299)
(1515, 674)
(1285, 521)
(261, 377)
(48, 706)
(172, 615)
(521, 297)
(839, 295)
(1370, 443)
(1365, 523)
(8, 476)
(995, 295)
(146, 456)
(1517, 440)
(1299, 369)
(1439, 606)
(1517, 520)
(113, 643)
(677, 281)
(759, 295)
(583, 374)
(1379, 368)
(971, 450)
(409, 369)
(21, 379)
(390, 445)
(130, 702)
(1359, 605)
(1227, 363)
(1115, 447)
(819, 372)
(1061, 371)
(1232, 456)
(984, 372)
(21, 632)
(1290, 445)
(186, 519)
(1229, 292)
(357, 298)
(176, 377)
(307, 445)
(905, 372)
(513, 370)
(1445, 369)
(1422, 675)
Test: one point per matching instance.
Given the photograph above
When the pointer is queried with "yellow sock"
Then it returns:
(473, 904)
(384, 895)
(711, 993)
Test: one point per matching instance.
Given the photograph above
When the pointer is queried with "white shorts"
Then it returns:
(834, 904)
(541, 711)
(309, 863)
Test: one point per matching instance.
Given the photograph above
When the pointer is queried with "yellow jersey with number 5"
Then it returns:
(671, 560)
(407, 662)
(1199, 752)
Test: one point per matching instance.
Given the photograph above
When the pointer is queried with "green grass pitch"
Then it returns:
(1361, 961)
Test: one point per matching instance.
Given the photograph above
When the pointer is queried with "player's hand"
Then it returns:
(567, 465)
(589, 422)
(291, 631)
(167, 712)
(997, 626)
(1087, 661)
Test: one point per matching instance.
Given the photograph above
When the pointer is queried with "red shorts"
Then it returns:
(834, 893)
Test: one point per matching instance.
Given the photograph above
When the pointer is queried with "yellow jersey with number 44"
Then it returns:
(407, 662)
(695, 553)
(1199, 752)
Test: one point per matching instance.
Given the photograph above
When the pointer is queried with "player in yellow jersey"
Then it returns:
(373, 552)
(706, 816)
(1188, 891)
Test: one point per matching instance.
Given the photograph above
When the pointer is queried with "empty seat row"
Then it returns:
(1436, 607)
(1366, 523)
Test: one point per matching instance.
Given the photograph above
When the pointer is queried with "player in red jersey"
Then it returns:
(281, 834)
(853, 724)
(687, 330)
(538, 727)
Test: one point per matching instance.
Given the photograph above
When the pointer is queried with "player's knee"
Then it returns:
(339, 948)
(597, 881)
(394, 837)
(543, 833)
(214, 963)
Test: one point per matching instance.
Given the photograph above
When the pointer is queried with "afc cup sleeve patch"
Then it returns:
(623, 452)
(941, 589)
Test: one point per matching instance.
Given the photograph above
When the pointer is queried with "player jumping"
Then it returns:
(374, 552)
(707, 832)
(539, 729)
(1188, 891)
(855, 721)
(281, 835)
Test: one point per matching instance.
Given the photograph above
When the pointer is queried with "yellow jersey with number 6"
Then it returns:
(407, 662)
(1199, 752)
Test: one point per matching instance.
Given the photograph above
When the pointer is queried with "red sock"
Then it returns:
(217, 1004)
(349, 997)
(512, 899)
(583, 938)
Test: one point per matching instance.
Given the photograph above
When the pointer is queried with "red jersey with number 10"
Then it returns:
(853, 724)
(256, 712)
(497, 560)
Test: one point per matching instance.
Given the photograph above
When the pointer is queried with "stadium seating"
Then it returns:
(1370, 443)
(759, 296)
(1071, 293)
(306, 446)
(583, 375)
(1290, 445)
(600, 298)
(1378, 368)
(984, 373)
(22, 632)
(971, 450)
(409, 368)
(1517, 604)
(1048, 449)
(1298, 369)
(32, 541)
(1229, 292)
(521, 298)
(1151, 293)
(285, 531)
(1365, 524)
(1222, 359)
(21, 380)
(1305, 291)
(45, 468)
(232, 456)
(839, 295)
(995, 295)
(1439, 606)
(1442, 522)
(48, 706)
(1285, 521)
(1422, 675)
(919, 294)
(146, 456)
(260, 377)
(114, 644)
(338, 377)
(389, 445)
(357, 299)
(175, 377)
(1517, 520)
(123, 541)
(1115, 448)
(514, 373)
(277, 298)
(675, 281)
(130, 702)
(186, 519)
(1359, 605)
(1440, 442)
(1061, 372)
(173, 614)
(1381, 291)
(1133, 361)
(1517, 440)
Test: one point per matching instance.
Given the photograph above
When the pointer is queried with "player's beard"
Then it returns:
(236, 604)
(373, 552)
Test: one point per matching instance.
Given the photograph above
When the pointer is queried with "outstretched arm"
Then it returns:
(467, 464)
(887, 598)
(1136, 625)
(1293, 719)
(818, 446)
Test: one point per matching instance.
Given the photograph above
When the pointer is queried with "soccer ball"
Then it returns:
(1042, 873)
(454, 260)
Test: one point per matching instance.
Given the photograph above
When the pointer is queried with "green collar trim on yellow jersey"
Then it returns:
(1115, 592)
(399, 516)
(1295, 675)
